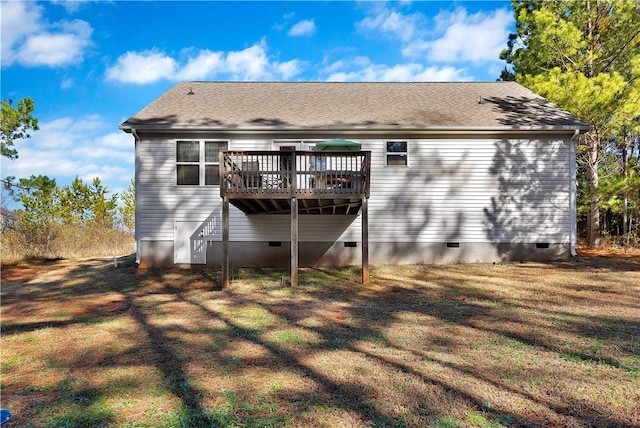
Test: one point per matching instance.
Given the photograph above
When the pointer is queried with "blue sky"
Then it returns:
(89, 65)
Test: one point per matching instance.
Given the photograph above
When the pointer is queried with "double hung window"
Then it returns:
(396, 153)
(197, 162)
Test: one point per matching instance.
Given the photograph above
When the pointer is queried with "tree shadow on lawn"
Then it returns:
(378, 310)
(632, 264)
(551, 302)
(389, 304)
(350, 321)
(445, 304)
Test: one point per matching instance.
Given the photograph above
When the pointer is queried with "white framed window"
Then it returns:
(197, 162)
(212, 150)
(188, 163)
(396, 153)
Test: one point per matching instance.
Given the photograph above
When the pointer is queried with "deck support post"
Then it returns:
(225, 243)
(294, 242)
(365, 240)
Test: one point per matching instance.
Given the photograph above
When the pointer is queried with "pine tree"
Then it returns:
(15, 124)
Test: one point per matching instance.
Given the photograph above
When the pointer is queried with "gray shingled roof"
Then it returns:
(375, 106)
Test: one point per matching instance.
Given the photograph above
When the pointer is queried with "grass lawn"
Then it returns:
(558, 344)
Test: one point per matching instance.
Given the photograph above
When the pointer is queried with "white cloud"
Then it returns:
(415, 48)
(201, 66)
(289, 69)
(29, 41)
(63, 132)
(94, 154)
(303, 28)
(452, 36)
(251, 63)
(478, 37)
(410, 72)
(65, 44)
(70, 5)
(65, 147)
(334, 66)
(116, 140)
(384, 20)
(18, 20)
(140, 68)
(443, 74)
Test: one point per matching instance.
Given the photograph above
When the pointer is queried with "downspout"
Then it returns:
(137, 188)
(573, 207)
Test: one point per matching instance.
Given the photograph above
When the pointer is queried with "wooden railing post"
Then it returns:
(294, 220)
(365, 240)
(225, 243)
(294, 174)
(366, 170)
(294, 242)
(222, 168)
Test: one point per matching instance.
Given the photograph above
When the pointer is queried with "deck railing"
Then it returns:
(300, 174)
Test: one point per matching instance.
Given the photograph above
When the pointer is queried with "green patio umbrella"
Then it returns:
(338, 144)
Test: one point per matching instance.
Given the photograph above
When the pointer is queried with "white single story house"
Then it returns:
(444, 172)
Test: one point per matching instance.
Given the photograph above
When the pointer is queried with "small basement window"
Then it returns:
(396, 153)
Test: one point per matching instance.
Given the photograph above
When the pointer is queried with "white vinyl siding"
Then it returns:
(453, 190)
(472, 191)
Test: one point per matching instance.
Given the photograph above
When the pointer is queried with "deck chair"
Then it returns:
(250, 172)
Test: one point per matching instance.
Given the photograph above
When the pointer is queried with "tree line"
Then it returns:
(75, 220)
(79, 203)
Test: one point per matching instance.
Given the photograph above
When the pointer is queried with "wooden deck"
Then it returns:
(266, 182)
(295, 182)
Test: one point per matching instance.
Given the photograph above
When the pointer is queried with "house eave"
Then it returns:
(359, 129)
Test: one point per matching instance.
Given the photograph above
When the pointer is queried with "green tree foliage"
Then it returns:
(72, 219)
(75, 202)
(79, 203)
(40, 198)
(128, 208)
(102, 208)
(585, 57)
(15, 125)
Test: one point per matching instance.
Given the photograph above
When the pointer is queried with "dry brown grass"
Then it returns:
(84, 344)
(64, 241)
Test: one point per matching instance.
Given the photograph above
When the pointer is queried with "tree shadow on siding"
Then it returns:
(418, 200)
(532, 204)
